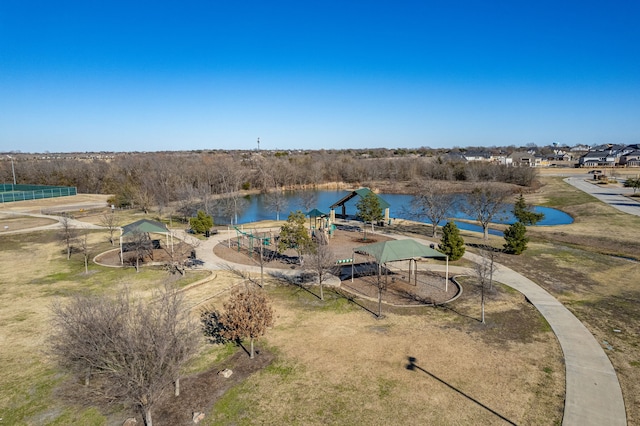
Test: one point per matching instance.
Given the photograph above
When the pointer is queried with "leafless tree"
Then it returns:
(68, 234)
(134, 348)
(484, 203)
(144, 199)
(308, 200)
(276, 201)
(84, 247)
(484, 272)
(180, 255)
(434, 202)
(111, 221)
(322, 262)
(247, 314)
(141, 245)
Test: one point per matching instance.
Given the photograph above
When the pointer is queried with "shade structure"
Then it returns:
(316, 213)
(145, 225)
(390, 251)
(395, 250)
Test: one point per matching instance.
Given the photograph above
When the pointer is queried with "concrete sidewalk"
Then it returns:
(593, 395)
(611, 195)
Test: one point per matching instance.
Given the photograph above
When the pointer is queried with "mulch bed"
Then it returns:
(198, 393)
(181, 251)
(430, 288)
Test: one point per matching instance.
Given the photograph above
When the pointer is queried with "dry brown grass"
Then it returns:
(345, 367)
(335, 362)
(583, 265)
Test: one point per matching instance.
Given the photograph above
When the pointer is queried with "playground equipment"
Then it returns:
(253, 239)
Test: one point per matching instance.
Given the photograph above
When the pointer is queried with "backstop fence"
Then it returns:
(10, 192)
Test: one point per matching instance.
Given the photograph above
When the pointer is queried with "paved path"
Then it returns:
(612, 195)
(592, 396)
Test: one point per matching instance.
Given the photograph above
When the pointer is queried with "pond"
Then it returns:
(255, 208)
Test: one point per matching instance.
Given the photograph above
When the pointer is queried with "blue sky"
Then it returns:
(150, 76)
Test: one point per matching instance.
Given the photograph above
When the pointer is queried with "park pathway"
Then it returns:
(592, 396)
(616, 197)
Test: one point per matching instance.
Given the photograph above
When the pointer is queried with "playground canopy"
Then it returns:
(395, 250)
(144, 226)
(390, 251)
(316, 213)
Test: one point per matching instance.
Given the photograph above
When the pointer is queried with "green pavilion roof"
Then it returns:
(390, 251)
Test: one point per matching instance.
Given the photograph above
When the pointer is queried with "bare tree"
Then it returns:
(322, 262)
(433, 202)
(68, 234)
(308, 200)
(277, 202)
(484, 272)
(134, 347)
(484, 203)
(181, 255)
(144, 198)
(111, 222)
(141, 245)
(247, 314)
(84, 246)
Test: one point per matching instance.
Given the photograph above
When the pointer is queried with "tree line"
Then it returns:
(157, 179)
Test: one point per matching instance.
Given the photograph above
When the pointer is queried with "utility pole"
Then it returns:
(13, 170)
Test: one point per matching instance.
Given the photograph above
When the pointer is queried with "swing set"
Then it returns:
(251, 240)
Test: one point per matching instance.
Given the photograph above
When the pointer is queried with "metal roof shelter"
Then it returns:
(145, 226)
(395, 250)
(362, 192)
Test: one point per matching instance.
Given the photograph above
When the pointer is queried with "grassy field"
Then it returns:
(33, 273)
(334, 362)
(588, 266)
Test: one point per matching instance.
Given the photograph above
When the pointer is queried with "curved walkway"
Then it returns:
(612, 195)
(592, 396)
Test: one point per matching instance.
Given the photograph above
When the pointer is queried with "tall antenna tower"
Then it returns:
(258, 144)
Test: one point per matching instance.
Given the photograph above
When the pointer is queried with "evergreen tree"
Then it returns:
(201, 223)
(369, 210)
(294, 234)
(525, 213)
(452, 243)
(516, 239)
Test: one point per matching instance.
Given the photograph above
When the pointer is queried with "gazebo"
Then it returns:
(362, 192)
(145, 226)
(396, 250)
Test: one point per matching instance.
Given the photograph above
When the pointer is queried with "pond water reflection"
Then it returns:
(255, 208)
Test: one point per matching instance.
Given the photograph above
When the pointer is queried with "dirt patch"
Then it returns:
(198, 393)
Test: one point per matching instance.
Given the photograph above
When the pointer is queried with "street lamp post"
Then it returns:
(13, 170)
